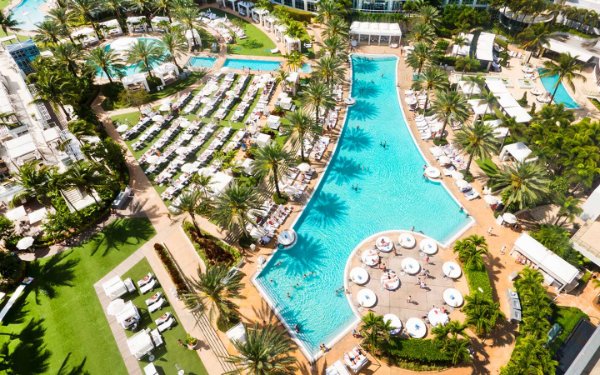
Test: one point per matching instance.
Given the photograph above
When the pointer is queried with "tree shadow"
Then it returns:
(363, 65)
(362, 110)
(365, 89)
(480, 358)
(65, 369)
(327, 209)
(494, 266)
(344, 170)
(356, 139)
(120, 233)
(56, 272)
(306, 256)
(504, 333)
(29, 355)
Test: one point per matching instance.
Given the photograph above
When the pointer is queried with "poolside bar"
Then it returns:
(376, 32)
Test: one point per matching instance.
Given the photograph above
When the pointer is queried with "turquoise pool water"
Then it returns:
(137, 67)
(562, 96)
(202, 61)
(257, 65)
(28, 13)
(392, 194)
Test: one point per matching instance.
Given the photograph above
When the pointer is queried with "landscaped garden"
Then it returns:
(58, 326)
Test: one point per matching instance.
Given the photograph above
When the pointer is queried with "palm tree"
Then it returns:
(34, 179)
(335, 46)
(48, 32)
(537, 39)
(433, 78)
(273, 161)
(55, 89)
(419, 56)
(281, 77)
(331, 69)
(146, 52)
(7, 22)
(466, 64)
(86, 9)
(374, 331)
(477, 140)
(68, 54)
(422, 33)
(81, 128)
(143, 7)
(294, 61)
(302, 127)
(116, 7)
(567, 69)
(568, 209)
(318, 95)
(336, 26)
(450, 106)
(459, 40)
(236, 207)
(104, 59)
(522, 184)
(188, 17)
(175, 44)
(471, 251)
(328, 9)
(202, 183)
(214, 291)
(475, 81)
(429, 15)
(489, 99)
(86, 177)
(482, 313)
(267, 350)
(164, 7)
(192, 203)
(64, 18)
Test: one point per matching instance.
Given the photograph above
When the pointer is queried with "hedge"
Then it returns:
(296, 14)
(172, 269)
(422, 351)
(479, 279)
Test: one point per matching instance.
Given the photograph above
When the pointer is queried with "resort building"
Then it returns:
(23, 53)
(375, 33)
(381, 6)
(587, 239)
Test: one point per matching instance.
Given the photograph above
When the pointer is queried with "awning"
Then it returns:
(485, 47)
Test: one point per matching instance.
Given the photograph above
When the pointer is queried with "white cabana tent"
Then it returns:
(86, 35)
(244, 8)
(191, 35)
(518, 151)
(137, 24)
(237, 333)
(37, 216)
(484, 50)
(115, 287)
(259, 14)
(496, 86)
(167, 72)
(16, 214)
(376, 32)
(557, 271)
(269, 22)
(136, 81)
(140, 344)
(127, 312)
(110, 28)
(291, 44)
(591, 206)
(156, 22)
(469, 88)
(280, 31)
(219, 182)
(262, 140)
(464, 49)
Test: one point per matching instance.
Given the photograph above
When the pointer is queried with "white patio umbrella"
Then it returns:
(25, 243)
(457, 175)
(115, 307)
(122, 128)
(188, 168)
(462, 184)
(509, 218)
(304, 167)
(158, 118)
(165, 107)
(152, 159)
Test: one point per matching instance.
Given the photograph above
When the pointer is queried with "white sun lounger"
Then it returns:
(156, 305)
(166, 325)
(148, 287)
(471, 194)
(156, 337)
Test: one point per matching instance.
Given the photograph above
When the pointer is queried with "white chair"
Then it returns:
(156, 305)
(153, 299)
(148, 287)
(166, 325)
(156, 337)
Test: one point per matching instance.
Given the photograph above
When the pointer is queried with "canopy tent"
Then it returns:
(479, 107)
(219, 182)
(157, 21)
(244, 7)
(135, 82)
(137, 24)
(496, 86)
(584, 50)
(485, 47)
(237, 333)
(463, 49)
(518, 151)
(37, 215)
(127, 312)
(259, 14)
(111, 28)
(167, 72)
(291, 44)
(140, 344)
(86, 35)
(115, 287)
(16, 214)
(365, 31)
(561, 271)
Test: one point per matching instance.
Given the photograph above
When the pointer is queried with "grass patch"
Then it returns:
(60, 327)
(479, 280)
(171, 354)
(130, 118)
(257, 42)
(567, 317)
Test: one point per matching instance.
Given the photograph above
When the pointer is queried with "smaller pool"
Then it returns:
(201, 62)
(28, 13)
(121, 47)
(562, 96)
(260, 65)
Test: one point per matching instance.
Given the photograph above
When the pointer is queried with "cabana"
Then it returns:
(21, 149)
(389, 33)
(291, 44)
(140, 344)
(556, 270)
(469, 88)
(135, 82)
(37, 216)
(259, 15)
(192, 35)
(16, 214)
(137, 24)
(280, 31)
(517, 151)
(158, 21)
(291, 83)
(86, 35)
(484, 50)
(263, 140)
(128, 313)
(110, 28)
(463, 49)
(269, 22)
(244, 8)
(115, 287)
(219, 182)
(167, 72)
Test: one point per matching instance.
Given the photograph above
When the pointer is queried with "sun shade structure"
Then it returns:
(485, 47)
(557, 271)
(584, 50)
(518, 151)
(376, 32)
(140, 344)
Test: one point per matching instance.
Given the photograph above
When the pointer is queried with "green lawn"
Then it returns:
(171, 355)
(257, 43)
(567, 317)
(130, 118)
(59, 326)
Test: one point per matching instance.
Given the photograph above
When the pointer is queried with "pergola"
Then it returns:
(376, 32)
(111, 28)
(270, 22)
(291, 44)
(280, 31)
(259, 15)
(484, 50)
(137, 24)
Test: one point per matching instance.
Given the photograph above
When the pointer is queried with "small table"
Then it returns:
(149, 369)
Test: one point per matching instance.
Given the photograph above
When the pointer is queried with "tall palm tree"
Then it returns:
(432, 78)
(450, 106)
(175, 44)
(188, 17)
(336, 26)
(85, 9)
(318, 95)
(335, 46)
(459, 40)
(522, 184)
(331, 69)
(146, 52)
(106, 60)
(422, 32)
(203, 184)
(374, 331)
(476, 81)
(482, 313)
(267, 350)
(34, 179)
(567, 69)
(55, 89)
(7, 22)
(477, 140)
(273, 161)
(48, 32)
(429, 15)
(281, 76)
(537, 39)
(64, 17)
(568, 209)
(164, 7)
(86, 177)
(117, 7)
(328, 9)
(192, 203)
(301, 126)
(294, 61)
(144, 7)
(419, 56)
(471, 250)
(214, 291)
(466, 64)
(236, 207)
(452, 340)
(81, 128)
(68, 54)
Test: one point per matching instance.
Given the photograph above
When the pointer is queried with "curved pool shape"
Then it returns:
(367, 188)
(259, 65)
(28, 13)
(134, 68)
(201, 62)
(562, 96)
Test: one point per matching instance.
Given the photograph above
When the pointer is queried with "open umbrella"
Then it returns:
(509, 218)
(115, 307)
(188, 168)
(25, 243)
(304, 167)
(122, 128)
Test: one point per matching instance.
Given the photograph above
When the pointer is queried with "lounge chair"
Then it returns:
(156, 337)
(153, 299)
(337, 368)
(156, 305)
(166, 325)
(275, 50)
(471, 194)
(354, 360)
(148, 287)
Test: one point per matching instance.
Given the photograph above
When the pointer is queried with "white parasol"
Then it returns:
(304, 167)
(115, 307)
(122, 128)
(25, 243)
(509, 218)
(158, 118)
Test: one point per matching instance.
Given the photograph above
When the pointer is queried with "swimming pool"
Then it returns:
(562, 96)
(121, 45)
(201, 61)
(28, 13)
(392, 194)
(257, 65)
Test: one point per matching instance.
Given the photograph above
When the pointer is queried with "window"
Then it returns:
(311, 7)
(299, 4)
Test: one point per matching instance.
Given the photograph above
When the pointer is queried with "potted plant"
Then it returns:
(191, 342)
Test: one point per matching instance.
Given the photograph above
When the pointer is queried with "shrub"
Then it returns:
(421, 351)
(211, 249)
(167, 260)
(295, 14)
(479, 281)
